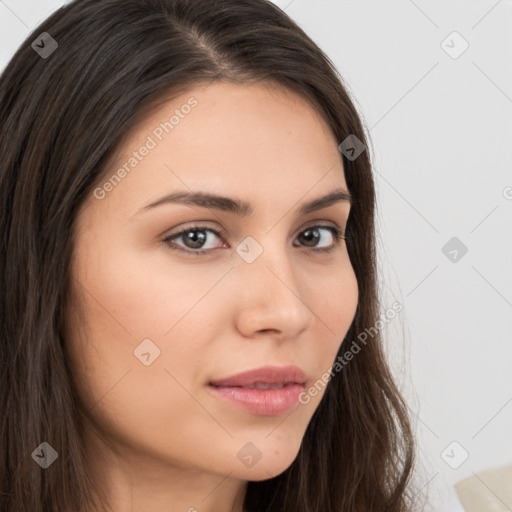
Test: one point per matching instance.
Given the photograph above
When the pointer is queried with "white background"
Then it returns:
(441, 133)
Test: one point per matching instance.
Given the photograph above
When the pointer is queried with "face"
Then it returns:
(161, 318)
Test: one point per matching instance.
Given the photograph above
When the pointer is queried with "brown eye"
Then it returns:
(310, 237)
(194, 238)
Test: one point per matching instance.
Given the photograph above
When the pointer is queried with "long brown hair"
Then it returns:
(62, 118)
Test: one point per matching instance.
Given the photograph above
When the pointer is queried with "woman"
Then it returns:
(188, 270)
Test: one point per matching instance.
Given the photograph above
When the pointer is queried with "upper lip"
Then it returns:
(265, 374)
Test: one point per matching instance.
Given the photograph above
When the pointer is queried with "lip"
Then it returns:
(263, 402)
(264, 374)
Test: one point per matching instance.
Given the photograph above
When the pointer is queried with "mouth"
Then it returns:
(265, 391)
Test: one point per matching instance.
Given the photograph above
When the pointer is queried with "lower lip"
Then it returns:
(264, 402)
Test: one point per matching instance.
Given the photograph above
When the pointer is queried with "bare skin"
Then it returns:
(172, 445)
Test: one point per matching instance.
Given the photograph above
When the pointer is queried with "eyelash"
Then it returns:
(337, 233)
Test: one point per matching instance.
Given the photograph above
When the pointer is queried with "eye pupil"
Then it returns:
(308, 238)
(194, 236)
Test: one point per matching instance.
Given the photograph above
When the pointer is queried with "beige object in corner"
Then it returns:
(488, 491)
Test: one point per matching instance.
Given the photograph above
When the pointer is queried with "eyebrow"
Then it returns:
(243, 208)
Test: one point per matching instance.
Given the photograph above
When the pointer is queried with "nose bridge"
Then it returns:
(267, 266)
(271, 295)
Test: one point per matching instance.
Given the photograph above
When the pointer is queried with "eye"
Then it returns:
(196, 236)
(310, 236)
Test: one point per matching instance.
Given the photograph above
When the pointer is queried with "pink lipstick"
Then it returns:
(266, 391)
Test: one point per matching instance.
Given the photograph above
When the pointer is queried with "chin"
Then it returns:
(265, 473)
(265, 469)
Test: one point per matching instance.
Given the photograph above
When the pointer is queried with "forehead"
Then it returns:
(232, 139)
(222, 116)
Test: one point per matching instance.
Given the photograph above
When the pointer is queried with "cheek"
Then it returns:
(125, 303)
(139, 308)
(334, 300)
(334, 304)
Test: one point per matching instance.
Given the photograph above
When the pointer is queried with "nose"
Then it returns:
(270, 298)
